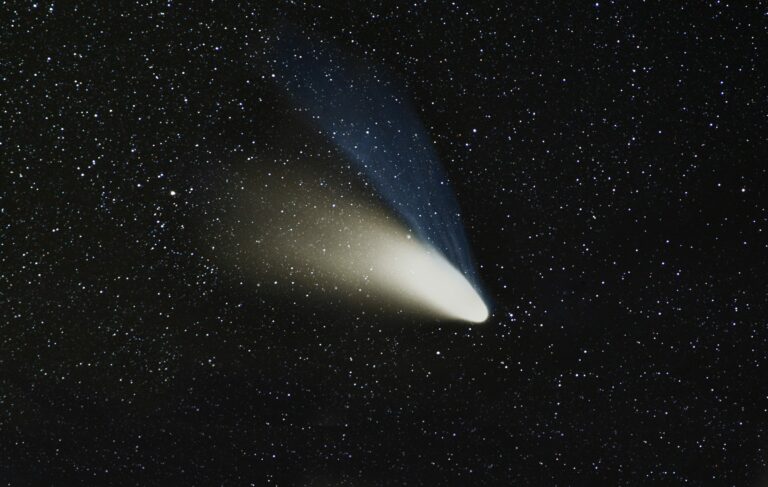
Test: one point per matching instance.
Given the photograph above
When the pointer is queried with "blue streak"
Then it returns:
(362, 114)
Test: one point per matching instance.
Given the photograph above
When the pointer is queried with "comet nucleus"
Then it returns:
(423, 274)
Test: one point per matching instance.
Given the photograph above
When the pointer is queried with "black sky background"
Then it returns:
(610, 164)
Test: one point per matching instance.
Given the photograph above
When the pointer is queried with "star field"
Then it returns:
(609, 163)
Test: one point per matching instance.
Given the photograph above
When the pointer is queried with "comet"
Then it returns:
(408, 246)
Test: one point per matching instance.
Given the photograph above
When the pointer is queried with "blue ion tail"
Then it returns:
(360, 111)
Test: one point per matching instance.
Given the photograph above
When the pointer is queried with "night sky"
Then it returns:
(609, 161)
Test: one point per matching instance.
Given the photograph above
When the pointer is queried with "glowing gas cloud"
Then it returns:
(328, 241)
